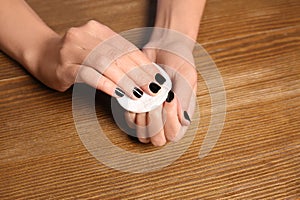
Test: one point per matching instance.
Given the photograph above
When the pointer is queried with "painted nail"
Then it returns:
(170, 96)
(154, 87)
(160, 79)
(137, 92)
(186, 116)
(119, 92)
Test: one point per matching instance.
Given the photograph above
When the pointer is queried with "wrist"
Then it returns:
(171, 22)
(34, 56)
(181, 16)
(166, 40)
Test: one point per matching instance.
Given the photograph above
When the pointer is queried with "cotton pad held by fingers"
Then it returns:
(147, 103)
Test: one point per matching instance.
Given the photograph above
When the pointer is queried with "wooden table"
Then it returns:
(256, 46)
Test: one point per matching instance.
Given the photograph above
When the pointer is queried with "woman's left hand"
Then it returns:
(170, 121)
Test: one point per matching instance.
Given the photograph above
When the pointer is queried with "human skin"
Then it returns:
(57, 60)
(184, 17)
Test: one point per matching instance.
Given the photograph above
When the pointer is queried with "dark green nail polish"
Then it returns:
(119, 92)
(160, 79)
(186, 116)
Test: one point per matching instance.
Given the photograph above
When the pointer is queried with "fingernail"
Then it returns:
(186, 116)
(137, 92)
(160, 79)
(154, 87)
(170, 96)
(119, 92)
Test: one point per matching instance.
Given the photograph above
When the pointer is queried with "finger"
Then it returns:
(94, 79)
(116, 75)
(141, 127)
(90, 75)
(103, 32)
(181, 133)
(186, 98)
(130, 119)
(141, 59)
(159, 139)
(150, 54)
(184, 86)
(172, 125)
(112, 63)
(138, 75)
(156, 127)
(150, 68)
(115, 49)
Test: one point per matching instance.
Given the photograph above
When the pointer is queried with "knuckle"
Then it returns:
(107, 32)
(95, 25)
(72, 33)
(92, 22)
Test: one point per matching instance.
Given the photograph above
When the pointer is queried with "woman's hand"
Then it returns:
(92, 53)
(170, 121)
(96, 55)
(180, 21)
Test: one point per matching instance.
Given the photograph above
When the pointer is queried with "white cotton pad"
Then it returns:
(147, 103)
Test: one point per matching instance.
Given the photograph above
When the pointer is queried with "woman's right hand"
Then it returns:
(98, 56)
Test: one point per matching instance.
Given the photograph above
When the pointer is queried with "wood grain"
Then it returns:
(256, 46)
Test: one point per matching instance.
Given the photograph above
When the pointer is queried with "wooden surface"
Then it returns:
(256, 46)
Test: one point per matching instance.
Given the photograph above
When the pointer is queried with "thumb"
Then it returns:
(185, 90)
(151, 54)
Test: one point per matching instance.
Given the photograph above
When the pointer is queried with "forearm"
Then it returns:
(183, 16)
(23, 34)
